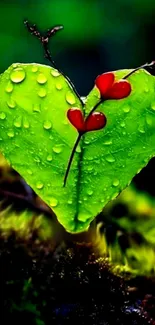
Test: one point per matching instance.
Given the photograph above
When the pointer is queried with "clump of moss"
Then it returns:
(62, 286)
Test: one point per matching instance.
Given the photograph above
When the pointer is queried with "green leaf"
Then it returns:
(37, 140)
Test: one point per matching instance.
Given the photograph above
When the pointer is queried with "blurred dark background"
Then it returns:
(98, 36)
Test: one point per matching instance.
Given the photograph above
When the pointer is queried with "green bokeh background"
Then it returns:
(98, 35)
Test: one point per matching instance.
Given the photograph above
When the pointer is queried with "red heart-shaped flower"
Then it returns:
(76, 118)
(119, 90)
(95, 121)
(104, 82)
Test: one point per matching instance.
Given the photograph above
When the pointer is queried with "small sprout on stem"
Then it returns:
(45, 43)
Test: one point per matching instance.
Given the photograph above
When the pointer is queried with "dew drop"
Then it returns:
(149, 120)
(126, 109)
(17, 75)
(42, 92)
(26, 123)
(65, 122)
(37, 159)
(58, 85)
(108, 142)
(49, 158)
(90, 192)
(29, 171)
(39, 185)
(41, 78)
(110, 158)
(15, 65)
(78, 149)
(36, 108)
(86, 142)
(57, 149)
(90, 168)
(18, 122)
(70, 98)
(146, 89)
(122, 124)
(55, 73)
(70, 202)
(53, 202)
(141, 129)
(83, 216)
(153, 106)
(115, 182)
(9, 87)
(113, 196)
(11, 103)
(47, 125)
(2, 115)
(10, 134)
(34, 68)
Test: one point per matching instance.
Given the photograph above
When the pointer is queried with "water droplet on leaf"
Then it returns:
(34, 68)
(53, 202)
(29, 171)
(108, 142)
(89, 168)
(9, 87)
(17, 75)
(70, 98)
(84, 215)
(58, 85)
(153, 106)
(55, 73)
(49, 158)
(78, 149)
(26, 123)
(10, 134)
(18, 122)
(122, 124)
(115, 182)
(57, 149)
(36, 108)
(126, 109)
(41, 78)
(39, 185)
(70, 202)
(42, 92)
(2, 115)
(90, 192)
(110, 158)
(149, 120)
(47, 125)
(15, 65)
(11, 103)
(146, 89)
(141, 129)
(37, 159)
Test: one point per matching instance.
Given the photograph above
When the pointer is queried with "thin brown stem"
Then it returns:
(71, 158)
(45, 42)
(146, 65)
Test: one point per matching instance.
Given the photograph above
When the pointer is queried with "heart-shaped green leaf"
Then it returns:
(37, 139)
